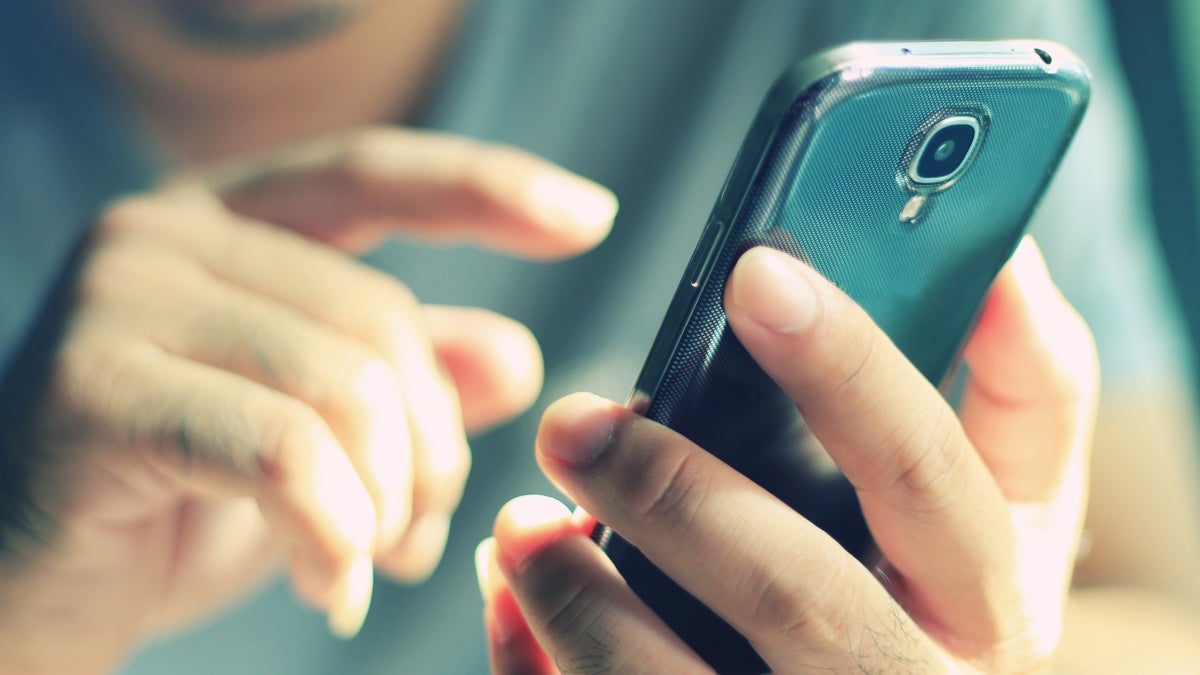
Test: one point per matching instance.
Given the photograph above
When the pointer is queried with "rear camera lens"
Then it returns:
(943, 154)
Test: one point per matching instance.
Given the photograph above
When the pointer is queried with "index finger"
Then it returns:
(352, 190)
(927, 496)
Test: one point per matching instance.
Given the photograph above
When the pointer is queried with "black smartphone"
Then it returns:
(905, 173)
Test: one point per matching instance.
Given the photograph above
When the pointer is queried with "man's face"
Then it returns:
(252, 24)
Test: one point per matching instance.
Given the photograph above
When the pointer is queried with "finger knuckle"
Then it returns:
(441, 479)
(286, 442)
(205, 439)
(669, 495)
(364, 151)
(102, 275)
(371, 153)
(372, 381)
(395, 310)
(191, 434)
(849, 375)
(489, 169)
(443, 489)
(127, 246)
(581, 628)
(775, 609)
(356, 387)
(393, 298)
(785, 610)
(923, 459)
(93, 375)
(125, 216)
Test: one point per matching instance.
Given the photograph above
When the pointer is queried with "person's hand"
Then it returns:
(977, 518)
(226, 390)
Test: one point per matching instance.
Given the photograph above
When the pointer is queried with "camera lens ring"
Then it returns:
(945, 151)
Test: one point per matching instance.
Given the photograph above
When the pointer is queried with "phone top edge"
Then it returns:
(1044, 54)
(857, 58)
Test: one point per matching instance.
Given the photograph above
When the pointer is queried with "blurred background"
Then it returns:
(1160, 55)
(652, 98)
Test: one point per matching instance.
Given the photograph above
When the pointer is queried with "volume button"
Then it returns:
(699, 253)
(706, 253)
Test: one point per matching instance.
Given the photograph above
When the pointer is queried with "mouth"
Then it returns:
(255, 25)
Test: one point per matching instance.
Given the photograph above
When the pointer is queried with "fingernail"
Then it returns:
(530, 523)
(483, 567)
(352, 599)
(579, 429)
(774, 290)
(584, 203)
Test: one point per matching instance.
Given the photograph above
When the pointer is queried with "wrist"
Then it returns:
(63, 613)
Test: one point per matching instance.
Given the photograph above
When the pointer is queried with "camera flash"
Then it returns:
(913, 210)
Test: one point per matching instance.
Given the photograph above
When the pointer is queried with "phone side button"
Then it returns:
(706, 253)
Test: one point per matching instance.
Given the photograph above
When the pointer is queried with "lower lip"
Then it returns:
(248, 8)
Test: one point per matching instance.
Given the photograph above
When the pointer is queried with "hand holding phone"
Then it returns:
(904, 174)
(977, 522)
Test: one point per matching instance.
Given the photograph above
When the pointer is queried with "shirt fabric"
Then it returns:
(648, 98)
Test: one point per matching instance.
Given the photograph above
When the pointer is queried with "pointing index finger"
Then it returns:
(354, 189)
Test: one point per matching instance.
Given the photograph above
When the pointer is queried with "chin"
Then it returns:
(255, 25)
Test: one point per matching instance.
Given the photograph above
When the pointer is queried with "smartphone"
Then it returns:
(905, 173)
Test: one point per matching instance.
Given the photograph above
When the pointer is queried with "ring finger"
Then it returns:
(583, 614)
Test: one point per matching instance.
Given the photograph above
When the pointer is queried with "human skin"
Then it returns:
(232, 388)
(202, 105)
(977, 517)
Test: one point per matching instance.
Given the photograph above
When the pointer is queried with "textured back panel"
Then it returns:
(830, 191)
(838, 209)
